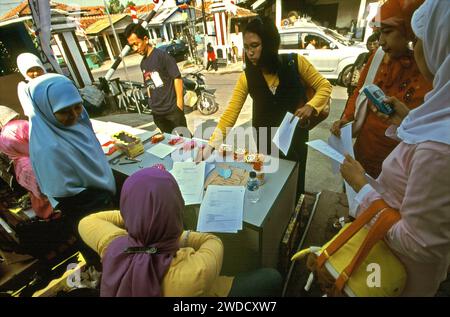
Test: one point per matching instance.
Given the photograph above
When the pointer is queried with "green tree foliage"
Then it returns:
(115, 7)
(130, 3)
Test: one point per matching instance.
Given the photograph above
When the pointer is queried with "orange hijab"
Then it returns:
(398, 13)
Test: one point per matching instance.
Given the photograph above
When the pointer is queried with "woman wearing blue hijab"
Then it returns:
(70, 166)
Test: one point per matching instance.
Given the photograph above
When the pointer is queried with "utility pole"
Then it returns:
(119, 45)
(189, 10)
(204, 17)
(193, 43)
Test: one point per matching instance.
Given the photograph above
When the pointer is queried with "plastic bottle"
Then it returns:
(253, 188)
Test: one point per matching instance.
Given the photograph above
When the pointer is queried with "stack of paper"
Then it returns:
(222, 209)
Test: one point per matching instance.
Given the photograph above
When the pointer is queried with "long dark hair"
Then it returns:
(270, 40)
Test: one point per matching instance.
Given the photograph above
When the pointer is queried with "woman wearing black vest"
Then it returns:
(276, 84)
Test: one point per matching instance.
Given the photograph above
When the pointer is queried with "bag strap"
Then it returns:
(292, 59)
(351, 230)
(376, 61)
(361, 100)
(376, 233)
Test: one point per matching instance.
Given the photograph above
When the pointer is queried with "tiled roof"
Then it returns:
(17, 11)
(141, 9)
(23, 9)
(86, 21)
(93, 10)
(240, 12)
(103, 24)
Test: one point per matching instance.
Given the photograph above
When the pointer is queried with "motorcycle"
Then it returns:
(197, 96)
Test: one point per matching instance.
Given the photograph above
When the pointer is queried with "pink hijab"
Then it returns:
(14, 142)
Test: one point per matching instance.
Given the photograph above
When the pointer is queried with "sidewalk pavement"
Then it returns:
(184, 66)
(130, 60)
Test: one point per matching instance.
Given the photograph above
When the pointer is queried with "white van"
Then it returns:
(333, 55)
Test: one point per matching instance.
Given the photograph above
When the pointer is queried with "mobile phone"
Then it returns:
(377, 96)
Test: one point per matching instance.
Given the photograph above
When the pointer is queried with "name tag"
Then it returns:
(156, 79)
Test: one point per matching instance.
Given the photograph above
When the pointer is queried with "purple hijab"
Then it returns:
(151, 206)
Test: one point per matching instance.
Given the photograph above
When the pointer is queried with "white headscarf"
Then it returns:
(431, 121)
(25, 61)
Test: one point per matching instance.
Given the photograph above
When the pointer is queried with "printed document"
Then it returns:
(190, 178)
(222, 209)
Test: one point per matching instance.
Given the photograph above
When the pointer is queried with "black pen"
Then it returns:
(132, 162)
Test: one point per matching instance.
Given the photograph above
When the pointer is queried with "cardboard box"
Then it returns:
(130, 144)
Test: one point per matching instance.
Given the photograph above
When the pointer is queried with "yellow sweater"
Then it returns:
(195, 269)
(310, 76)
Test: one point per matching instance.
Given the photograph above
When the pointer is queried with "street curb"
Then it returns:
(230, 72)
(225, 72)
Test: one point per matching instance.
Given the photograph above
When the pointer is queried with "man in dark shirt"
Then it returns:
(162, 79)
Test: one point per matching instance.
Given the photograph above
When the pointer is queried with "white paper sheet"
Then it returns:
(343, 145)
(110, 128)
(103, 138)
(351, 194)
(190, 177)
(30, 213)
(222, 209)
(374, 183)
(117, 127)
(327, 150)
(161, 150)
(338, 157)
(284, 134)
(208, 169)
(105, 130)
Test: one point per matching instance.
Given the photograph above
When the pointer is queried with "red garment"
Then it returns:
(398, 78)
(211, 55)
(14, 142)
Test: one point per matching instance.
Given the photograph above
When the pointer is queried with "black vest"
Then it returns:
(269, 109)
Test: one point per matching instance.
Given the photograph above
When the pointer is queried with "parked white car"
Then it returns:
(333, 54)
